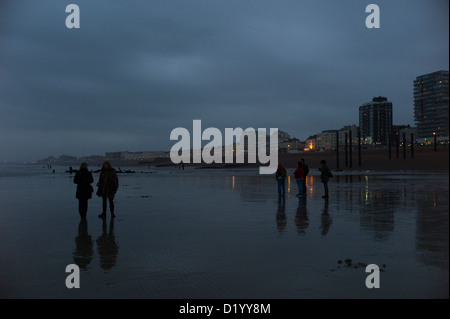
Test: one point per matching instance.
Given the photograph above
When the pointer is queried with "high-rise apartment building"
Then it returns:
(375, 121)
(431, 104)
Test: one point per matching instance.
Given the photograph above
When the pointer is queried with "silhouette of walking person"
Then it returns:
(324, 176)
(82, 254)
(108, 184)
(107, 246)
(83, 178)
(280, 176)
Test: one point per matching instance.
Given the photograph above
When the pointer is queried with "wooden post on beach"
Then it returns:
(412, 145)
(404, 145)
(346, 159)
(435, 144)
(396, 143)
(359, 148)
(337, 149)
(389, 145)
(350, 147)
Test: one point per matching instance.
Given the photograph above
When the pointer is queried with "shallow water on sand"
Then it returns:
(225, 234)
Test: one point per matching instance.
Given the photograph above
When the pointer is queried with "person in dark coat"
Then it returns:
(280, 176)
(324, 176)
(108, 184)
(300, 178)
(83, 178)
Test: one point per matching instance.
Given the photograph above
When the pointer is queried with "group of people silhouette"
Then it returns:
(107, 184)
(300, 176)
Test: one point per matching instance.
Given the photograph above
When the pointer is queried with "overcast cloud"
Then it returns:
(135, 70)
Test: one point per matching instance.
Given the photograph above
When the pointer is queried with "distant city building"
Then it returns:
(113, 155)
(328, 140)
(404, 129)
(347, 129)
(431, 104)
(288, 144)
(295, 146)
(399, 130)
(91, 159)
(375, 121)
(312, 143)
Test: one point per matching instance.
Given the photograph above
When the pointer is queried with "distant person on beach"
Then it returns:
(324, 176)
(108, 184)
(299, 177)
(305, 173)
(280, 176)
(83, 178)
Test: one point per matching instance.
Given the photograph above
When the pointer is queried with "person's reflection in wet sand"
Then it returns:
(107, 246)
(325, 219)
(82, 254)
(281, 215)
(301, 217)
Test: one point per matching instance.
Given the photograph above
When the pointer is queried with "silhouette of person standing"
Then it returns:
(108, 184)
(300, 178)
(324, 176)
(280, 176)
(83, 178)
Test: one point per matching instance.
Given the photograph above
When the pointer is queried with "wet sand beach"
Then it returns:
(422, 159)
(226, 234)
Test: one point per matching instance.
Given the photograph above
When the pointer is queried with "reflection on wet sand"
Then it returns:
(378, 200)
(82, 254)
(301, 216)
(325, 219)
(281, 215)
(107, 246)
(432, 228)
(377, 211)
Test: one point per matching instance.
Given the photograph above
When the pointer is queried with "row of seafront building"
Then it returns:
(431, 116)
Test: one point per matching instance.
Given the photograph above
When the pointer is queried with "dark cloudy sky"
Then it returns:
(135, 70)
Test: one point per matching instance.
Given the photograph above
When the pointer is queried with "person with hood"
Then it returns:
(83, 178)
(280, 176)
(108, 184)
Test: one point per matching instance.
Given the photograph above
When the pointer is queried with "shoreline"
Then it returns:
(423, 159)
(376, 160)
